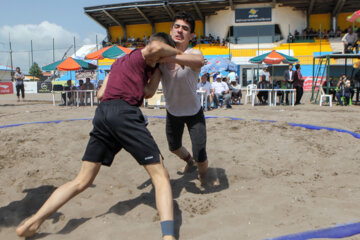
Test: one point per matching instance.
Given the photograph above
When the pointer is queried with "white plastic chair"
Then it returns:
(323, 97)
(249, 92)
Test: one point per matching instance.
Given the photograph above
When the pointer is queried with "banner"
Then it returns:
(6, 88)
(44, 87)
(244, 15)
(308, 83)
(82, 75)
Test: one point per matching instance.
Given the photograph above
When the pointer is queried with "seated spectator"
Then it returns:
(88, 86)
(343, 90)
(70, 95)
(206, 86)
(350, 41)
(235, 90)
(357, 83)
(221, 90)
(81, 94)
(263, 95)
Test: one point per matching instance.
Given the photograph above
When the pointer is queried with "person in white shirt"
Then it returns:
(350, 40)
(221, 90)
(232, 76)
(266, 73)
(206, 86)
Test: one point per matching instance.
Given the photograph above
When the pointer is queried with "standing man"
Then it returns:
(233, 77)
(289, 80)
(357, 82)
(119, 123)
(298, 83)
(19, 83)
(265, 72)
(179, 77)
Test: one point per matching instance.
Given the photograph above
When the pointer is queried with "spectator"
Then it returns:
(265, 72)
(207, 87)
(81, 94)
(263, 95)
(235, 89)
(357, 83)
(233, 76)
(70, 95)
(88, 86)
(221, 90)
(289, 81)
(343, 87)
(350, 41)
(298, 84)
(19, 83)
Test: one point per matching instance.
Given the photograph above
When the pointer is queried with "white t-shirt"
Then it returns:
(205, 87)
(220, 87)
(232, 76)
(266, 74)
(179, 87)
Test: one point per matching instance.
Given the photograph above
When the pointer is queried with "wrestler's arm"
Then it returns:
(101, 91)
(156, 50)
(153, 84)
(194, 60)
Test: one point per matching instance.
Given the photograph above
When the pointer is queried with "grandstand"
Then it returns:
(251, 27)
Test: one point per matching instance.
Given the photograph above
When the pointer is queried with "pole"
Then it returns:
(53, 50)
(289, 39)
(229, 44)
(97, 45)
(320, 38)
(258, 53)
(11, 61)
(74, 47)
(32, 53)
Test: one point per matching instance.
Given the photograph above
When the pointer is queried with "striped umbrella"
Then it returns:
(109, 52)
(273, 57)
(355, 17)
(69, 64)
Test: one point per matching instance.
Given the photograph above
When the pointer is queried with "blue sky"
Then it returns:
(42, 20)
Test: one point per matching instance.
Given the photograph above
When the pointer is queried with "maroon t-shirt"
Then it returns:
(128, 78)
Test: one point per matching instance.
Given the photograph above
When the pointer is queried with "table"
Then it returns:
(254, 95)
(92, 92)
(292, 92)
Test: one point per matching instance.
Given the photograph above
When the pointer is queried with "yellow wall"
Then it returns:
(138, 31)
(342, 23)
(163, 27)
(116, 32)
(316, 19)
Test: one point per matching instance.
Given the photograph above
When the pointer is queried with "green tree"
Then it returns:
(35, 70)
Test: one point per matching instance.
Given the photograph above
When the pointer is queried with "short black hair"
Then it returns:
(162, 37)
(187, 17)
(297, 66)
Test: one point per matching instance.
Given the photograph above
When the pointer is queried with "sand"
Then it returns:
(275, 179)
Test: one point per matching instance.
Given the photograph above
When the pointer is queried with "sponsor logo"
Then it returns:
(253, 11)
(4, 86)
(149, 157)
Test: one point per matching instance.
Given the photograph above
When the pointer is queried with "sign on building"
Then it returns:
(244, 15)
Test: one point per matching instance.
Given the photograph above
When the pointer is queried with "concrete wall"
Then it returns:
(218, 25)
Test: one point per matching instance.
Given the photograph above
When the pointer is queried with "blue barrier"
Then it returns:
(342, 231)
(311, 127)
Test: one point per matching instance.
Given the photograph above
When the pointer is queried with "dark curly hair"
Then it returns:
(187, 17)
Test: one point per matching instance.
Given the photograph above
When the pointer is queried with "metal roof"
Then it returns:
(142, 12)
(339, 56)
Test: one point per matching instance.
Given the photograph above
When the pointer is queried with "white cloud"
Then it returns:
(42, 36)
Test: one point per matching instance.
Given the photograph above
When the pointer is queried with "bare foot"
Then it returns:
(168, 237)
(27, 229)
(209, 179)
(190, 167)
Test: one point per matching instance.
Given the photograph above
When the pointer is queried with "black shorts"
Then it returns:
(197, 130)
(119, 125)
